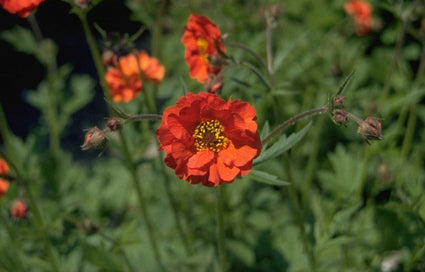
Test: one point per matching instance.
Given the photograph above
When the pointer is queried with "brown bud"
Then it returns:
(109, 58)
(213, 83)
(384, 173)
(370, 129)
(338, 101)
(87, 226)
(114, 124)
(216, 60)
(340, 117)
(94, 139)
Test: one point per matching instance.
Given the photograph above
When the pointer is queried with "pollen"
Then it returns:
(209, 135)
(202, 48)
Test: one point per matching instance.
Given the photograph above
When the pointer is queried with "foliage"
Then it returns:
(319, 197)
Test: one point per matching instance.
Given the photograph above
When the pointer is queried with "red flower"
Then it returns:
(208, 139)
(19, 209)
(22, 8)
(4, 184)
(125, 79)
(201, 39)
(362, 12)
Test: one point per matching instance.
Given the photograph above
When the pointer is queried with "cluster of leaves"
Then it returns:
(349, 206)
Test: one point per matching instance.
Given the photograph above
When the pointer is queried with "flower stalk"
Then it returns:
(220, 227)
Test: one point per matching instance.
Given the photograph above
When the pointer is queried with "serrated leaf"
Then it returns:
(81, 87)
(23, 40)
(267, 178)
(282, 145)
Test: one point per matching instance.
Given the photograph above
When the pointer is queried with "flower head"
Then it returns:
(125, 80)
(202, 40)
(19, 209)
(4, 184)
(208, 139)
(362, 13)
(22, 8)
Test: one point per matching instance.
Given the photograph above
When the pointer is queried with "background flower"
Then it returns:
(4, 184)
(125, 80)
(22, 8)
(201, 38)
(362, 12)
(208, 139)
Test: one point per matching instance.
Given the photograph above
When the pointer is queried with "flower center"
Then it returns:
(202, 48)
(209, 135)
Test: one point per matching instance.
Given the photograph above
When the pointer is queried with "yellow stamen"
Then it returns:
(209, 135)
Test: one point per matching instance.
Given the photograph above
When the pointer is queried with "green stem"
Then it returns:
(293, 120)
(298, 214)
(142, 202)
(96, 56)
(220, 227)
(397, 49)
(126, 152)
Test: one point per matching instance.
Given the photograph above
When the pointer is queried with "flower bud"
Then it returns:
(94, 139)
(384, 173)
(340, 117)
(87, 226)
(216, 60)
(370, 129)
(338, 101)
(109, 58)
(114, 124)
(19, 209)
(213, 83)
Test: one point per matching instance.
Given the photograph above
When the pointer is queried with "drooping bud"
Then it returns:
(370, 129)
(94, 139)
(213, 83)
(340, 117)
(19, 209)
(114, 124)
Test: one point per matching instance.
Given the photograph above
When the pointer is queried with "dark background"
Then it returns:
(20, 73)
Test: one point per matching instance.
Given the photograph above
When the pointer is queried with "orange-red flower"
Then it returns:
(208, 139)
(201, 39)
(4, 184)
(22, 8)
(19, 209)
(125, 80)
(362, 13)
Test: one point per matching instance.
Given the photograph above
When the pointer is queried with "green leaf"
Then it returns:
(241, 251)
(282, 145)
(265, 131)
(23, 40)
(267, 178)
(81, 87)
(102, 258)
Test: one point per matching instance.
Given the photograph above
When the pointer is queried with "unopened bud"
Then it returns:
(82, 3)
(19, 209)
(384, 173)
(338, 101)
(94, 139)
(340, 117)
(87, 226)
(213, 83)
(370, 129)
(109, 58)
(114, 124)
(216, 60)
